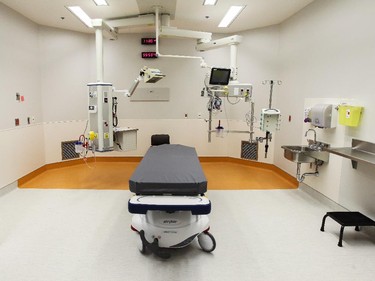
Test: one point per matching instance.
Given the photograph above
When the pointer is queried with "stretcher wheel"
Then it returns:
(207, 242)
(141, 246)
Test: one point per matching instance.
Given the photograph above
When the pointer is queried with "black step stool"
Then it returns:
(348, 219)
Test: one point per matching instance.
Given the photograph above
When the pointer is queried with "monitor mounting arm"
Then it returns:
(231, 41)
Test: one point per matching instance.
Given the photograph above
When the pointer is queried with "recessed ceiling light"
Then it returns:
(209, 2)
(231, 15)
(101, 2)
(79, 13)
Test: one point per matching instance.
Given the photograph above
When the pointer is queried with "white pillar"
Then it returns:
(99, 54)
(233, 61)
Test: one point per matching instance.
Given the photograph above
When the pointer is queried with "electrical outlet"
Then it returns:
(199, 115)
(17, 121)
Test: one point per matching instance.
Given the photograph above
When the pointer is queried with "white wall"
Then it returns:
(324, 51)
(51, 68)
(65, 63)
(184, 78)
(327, 51)
(19, 69)
(22, 152)
(21, 147)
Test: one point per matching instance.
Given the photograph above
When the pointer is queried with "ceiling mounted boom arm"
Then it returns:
(139, 20)
(180, 33)
(226, 41)
(231, 41)
(109, 32)
(167, 31)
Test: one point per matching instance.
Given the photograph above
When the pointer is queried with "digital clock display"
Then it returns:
(148, 41)
(149, 55)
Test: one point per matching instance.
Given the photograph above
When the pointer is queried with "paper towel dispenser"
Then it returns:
(323, 116)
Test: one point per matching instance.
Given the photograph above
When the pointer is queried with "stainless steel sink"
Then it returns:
(304, 154)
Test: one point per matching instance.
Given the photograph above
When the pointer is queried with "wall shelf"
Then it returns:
(361, 151)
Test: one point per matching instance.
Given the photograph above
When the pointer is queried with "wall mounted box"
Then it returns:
(350, 115)
(323, 116)
(270, 120)
(125, 139)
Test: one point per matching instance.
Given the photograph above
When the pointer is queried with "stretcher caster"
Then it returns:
(207, 242)
(152, 247)
(141, 246)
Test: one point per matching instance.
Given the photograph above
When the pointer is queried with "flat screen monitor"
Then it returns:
(219, 76)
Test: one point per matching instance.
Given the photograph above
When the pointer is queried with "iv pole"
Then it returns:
(268, 133)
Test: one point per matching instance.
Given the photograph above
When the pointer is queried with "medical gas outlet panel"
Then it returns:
(100, 116)
(240, 90)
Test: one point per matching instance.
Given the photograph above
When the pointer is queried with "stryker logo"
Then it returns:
(170, 221)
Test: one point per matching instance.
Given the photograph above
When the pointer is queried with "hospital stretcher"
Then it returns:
(169, 206)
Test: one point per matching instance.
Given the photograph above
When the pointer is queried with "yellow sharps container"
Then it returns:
(350, 115)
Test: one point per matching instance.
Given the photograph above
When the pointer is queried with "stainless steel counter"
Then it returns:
(360, 151)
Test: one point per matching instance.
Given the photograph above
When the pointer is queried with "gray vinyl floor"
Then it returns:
(261, 235)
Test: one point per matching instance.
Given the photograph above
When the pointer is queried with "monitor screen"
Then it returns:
(219, 76)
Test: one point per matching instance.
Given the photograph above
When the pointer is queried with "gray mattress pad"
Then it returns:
(169, 169)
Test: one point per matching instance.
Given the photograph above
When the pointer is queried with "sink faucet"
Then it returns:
(312, 131)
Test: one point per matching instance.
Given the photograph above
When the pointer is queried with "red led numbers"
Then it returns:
(148, 41)
(149, 55)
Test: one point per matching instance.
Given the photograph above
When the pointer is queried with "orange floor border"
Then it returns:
(68, 163)
(255, 164)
